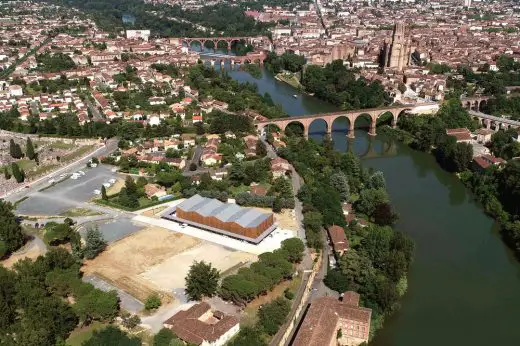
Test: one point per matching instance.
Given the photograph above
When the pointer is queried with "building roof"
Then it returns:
(320, 322)
(225, 212)
(191, 326)
(338, 238)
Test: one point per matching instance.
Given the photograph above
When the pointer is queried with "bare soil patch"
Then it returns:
(123, 261)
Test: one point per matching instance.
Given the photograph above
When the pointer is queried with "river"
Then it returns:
(464, 284)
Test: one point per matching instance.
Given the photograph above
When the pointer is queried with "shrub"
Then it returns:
(152, 302)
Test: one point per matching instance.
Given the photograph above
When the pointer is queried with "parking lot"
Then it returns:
(113, 229)
(66, 194)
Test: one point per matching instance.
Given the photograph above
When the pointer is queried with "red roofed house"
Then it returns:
(338, 239)
(327, 315)
(484, 161)
(280, 167)
(462, 135)
(200, 326)
(154, 190)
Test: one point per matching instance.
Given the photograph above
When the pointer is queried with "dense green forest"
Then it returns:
(379, 256)
(166, 21)
(338, 85)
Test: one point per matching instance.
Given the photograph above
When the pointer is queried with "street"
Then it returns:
(16, 195)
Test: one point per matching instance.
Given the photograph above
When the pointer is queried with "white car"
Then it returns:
(97, 192)
(52, 181)
(114, 170)
(106, 185)
(111, 181)
(93, 165)
(81, 172)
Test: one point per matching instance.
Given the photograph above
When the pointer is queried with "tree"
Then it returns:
(130, 322)
(163, 337)
(97, 305)
(199, 128)
(384, 215)
(104, 193)
(7, 175)
(261, 150)
(94, 243)
(14, 150)
(294, 248)
(152, 302)
(29, 150)
(10, 232)
(202, 280)
(277, 205)
(336, 281)
(377, 180)
(248, 336)
(112, 336)
(339, 182)
(193, 166)
(18, 173)
(272, 315)
(369, 199)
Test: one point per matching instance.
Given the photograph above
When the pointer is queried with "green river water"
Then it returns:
(464, 284)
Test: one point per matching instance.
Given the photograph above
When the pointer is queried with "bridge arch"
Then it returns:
(366, 120)
(336, 121)
(296, 127)
(317, 125)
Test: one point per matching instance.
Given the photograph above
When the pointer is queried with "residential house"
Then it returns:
(200, 326)
(338, 239)
(154, 190)
(280, 167)
(326, 316)
(462, 135)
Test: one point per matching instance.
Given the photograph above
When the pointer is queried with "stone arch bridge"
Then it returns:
(253, 40)
(372, 113)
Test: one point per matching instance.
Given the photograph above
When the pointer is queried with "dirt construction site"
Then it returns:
(156, 260)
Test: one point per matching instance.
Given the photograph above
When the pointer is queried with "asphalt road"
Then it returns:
(67, 194)
(110, 147)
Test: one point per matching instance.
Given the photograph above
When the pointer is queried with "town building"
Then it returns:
(249, 224)
(199, 325)
(338, 239)
(462, 135)
(327, 316)
(397, 54)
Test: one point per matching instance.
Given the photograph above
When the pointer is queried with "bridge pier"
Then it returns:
(372, 130)
(350, 133)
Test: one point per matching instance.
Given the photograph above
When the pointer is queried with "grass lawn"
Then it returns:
(249, 315)
(26, 164)
(235, 190)
(75, 212)
(78, 153)
(61, 145)
(80, 335)
(42, 169)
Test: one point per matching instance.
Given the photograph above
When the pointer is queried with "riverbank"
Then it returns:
(378, 257)
(290, 79)
(484, 186)
(461, 264)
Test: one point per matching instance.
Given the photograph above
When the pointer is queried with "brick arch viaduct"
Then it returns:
(329, 118)
(228, 40)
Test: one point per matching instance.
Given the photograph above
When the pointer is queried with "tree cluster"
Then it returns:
(34, 300)
(11, 235)
(379, 257)
(263, 275)
(339, 86)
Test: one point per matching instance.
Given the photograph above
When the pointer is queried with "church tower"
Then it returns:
(396, 54)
